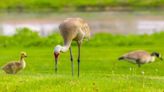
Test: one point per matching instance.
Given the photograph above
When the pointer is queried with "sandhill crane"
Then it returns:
(140, 57)
(72, 29)
(14, 67)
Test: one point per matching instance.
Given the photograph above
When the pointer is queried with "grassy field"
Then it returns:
(100, 71)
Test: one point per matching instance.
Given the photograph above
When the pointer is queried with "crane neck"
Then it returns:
(66, 46)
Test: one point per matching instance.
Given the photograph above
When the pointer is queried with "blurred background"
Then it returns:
(110, 16)
(28, 23)
(117, 27)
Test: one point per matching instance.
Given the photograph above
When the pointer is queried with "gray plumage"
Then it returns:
(140, 57)
(72, 29)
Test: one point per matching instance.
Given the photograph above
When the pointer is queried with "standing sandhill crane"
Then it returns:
(140, 57)
(72, 29)
(14, 67)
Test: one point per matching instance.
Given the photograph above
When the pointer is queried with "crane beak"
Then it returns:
(56, 55)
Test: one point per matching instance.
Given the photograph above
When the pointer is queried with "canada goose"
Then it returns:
(140, 57)
(14, 67)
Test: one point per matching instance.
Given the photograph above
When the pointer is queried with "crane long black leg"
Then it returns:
(78, 60)
(56, 66)
(71, 57)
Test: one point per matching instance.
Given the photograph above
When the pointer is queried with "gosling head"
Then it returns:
(23, 54)
(158, 55)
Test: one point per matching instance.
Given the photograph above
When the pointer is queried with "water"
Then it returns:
(42, 28)
(111, 22)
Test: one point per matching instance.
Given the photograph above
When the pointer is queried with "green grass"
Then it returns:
(100, 71)
(26, 38)
(76, 5)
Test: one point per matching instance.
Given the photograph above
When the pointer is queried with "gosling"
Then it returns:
(140, 57)
(14, 67)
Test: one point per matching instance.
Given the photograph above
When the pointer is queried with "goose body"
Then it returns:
(15, 66)
(140, 57)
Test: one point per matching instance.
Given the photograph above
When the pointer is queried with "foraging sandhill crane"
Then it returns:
(140, 57)
(14, 67)
(72, 29)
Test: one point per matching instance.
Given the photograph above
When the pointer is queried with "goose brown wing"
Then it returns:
(135, 55)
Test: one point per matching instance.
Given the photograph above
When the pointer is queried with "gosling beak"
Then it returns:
(56, 55)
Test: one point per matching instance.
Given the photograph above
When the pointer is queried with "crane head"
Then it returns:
(57, 51)
(56, 55)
